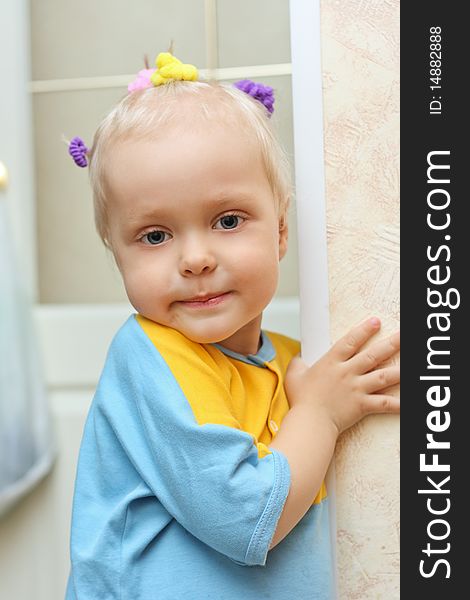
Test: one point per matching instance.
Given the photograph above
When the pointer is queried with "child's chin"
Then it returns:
(208, 337)
(205, 339)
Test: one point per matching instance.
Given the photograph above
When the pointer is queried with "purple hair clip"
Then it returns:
(78, 152)
(260, 92)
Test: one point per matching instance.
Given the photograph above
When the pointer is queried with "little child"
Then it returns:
(202, 462)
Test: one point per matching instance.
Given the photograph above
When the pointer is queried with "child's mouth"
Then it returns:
(206, 302)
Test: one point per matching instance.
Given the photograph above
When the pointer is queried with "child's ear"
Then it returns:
(283, 235)
(115, 256)
(116, 260)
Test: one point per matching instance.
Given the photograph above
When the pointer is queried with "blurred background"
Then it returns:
(62, 66)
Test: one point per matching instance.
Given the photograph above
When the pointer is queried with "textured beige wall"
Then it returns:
(360, 57)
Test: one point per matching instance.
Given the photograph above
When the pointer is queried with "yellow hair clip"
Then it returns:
(169, 68)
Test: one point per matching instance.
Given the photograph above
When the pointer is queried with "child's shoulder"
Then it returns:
(132, 352)
(187, 360)
(138, 332)
(128, 339)
(148, 359)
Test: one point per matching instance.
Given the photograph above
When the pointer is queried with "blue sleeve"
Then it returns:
(208, 477)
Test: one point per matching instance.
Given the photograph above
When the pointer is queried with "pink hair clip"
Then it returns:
(142, 80)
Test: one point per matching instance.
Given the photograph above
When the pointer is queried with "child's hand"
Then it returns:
(343, 384)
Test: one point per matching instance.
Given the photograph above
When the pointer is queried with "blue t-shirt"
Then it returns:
(177, 493)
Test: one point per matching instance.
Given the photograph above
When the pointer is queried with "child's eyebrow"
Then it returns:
(219, 203)
(229, 200)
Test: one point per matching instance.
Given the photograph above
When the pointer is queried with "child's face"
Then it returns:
(192, 215)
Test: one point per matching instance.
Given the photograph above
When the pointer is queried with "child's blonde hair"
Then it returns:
(144, 114)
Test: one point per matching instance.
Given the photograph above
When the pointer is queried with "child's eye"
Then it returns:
(154, 238)
(230, 221)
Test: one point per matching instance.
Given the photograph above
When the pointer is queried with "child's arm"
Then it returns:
(325, 399)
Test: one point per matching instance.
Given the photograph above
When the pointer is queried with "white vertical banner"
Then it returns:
(310, 197)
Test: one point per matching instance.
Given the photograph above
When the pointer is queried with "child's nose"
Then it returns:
(196, 260)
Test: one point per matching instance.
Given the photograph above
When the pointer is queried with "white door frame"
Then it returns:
(307, 97)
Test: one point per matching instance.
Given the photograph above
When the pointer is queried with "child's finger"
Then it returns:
(380, 379)
(381, 403)
(376, 354)
(349, 344)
